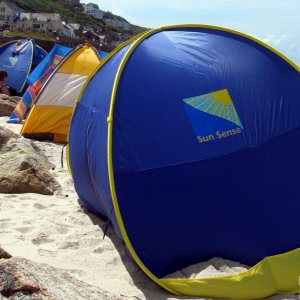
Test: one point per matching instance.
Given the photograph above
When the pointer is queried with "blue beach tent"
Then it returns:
(19, 58)
(187, 138)
(103, 54)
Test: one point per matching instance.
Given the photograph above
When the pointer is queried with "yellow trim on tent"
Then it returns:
(7, 43)
(41, 48)
(276, 274)
(110, 163)
(10, 42)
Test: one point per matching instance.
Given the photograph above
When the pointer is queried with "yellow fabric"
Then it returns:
(222, 96)
(49, 119)
(82, 62)
(278, 274)
(56, 119)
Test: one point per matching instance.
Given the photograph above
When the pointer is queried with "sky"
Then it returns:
(276, 22)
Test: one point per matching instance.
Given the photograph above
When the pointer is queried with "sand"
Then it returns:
(55, 230)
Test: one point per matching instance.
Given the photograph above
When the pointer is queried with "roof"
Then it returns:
(76, 26)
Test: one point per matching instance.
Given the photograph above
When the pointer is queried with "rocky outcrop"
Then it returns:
(4, 254)
(23, 279)
(6, 135)
(24, 168)
(15, 284)
(8, 104)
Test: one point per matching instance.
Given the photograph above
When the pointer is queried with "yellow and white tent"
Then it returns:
(51, 113)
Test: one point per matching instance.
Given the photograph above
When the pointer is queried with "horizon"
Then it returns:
(276, 24)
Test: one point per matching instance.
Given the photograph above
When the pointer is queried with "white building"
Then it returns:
(84, 7)
(75, 26)
(69, 31)
(44, 22)
(39, 22)
(8, 11)
(93, 10)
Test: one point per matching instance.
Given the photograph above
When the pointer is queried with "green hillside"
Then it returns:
(72, 13)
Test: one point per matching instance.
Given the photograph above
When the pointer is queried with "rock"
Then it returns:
(8, 104)
(5, 135)
(14, 284)
(23, 279)
(4, 254)
(25, 169)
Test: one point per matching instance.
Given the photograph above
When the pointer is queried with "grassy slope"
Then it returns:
(71, 16)
(26, 34)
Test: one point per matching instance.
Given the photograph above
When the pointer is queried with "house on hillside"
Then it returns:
(39, 22)
(91, 35)
(77, 28)
(69, 31)
(8, 12)
(44, 23)
(93, 10)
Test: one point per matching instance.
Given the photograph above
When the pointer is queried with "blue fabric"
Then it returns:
(205, 124)
(18, 63)
(206, 136)
(46, 62)
(263, 88)
(183, 201)
(229, 207)
(88, 134)
(38, 55)
(103, 54)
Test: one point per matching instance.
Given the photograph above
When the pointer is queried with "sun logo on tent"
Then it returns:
(11, 61)
(213, 115)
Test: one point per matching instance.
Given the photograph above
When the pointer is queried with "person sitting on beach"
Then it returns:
(6, 89)
(3, 78)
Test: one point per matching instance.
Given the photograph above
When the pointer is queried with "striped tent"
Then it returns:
(50, 115)
(36, 79)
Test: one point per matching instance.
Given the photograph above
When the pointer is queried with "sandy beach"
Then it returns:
(57, 231)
